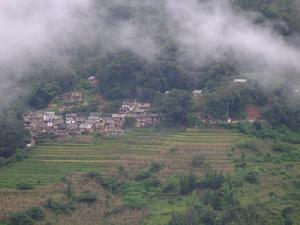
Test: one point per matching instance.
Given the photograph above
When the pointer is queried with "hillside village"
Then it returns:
(51, 124)
(57, 121)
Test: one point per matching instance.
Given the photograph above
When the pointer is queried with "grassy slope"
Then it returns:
(279, 173)
(49, 162)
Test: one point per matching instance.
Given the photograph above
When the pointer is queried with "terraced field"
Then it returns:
(49, 162)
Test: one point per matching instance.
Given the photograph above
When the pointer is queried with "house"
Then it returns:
(71, 118)
(95, 114)
(197, 93)
(93, 119)
(147, 120)
(48, 116)
(86, 128)
(239, 81)
(93, 80)
(134, 107)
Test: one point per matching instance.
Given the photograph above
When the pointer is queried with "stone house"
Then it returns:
(86, 128)
(148, 120)
(71, 118)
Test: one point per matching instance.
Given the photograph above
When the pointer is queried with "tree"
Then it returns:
(174, 107)
(12, 135)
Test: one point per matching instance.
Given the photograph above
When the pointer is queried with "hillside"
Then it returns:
(163, 112)
(261, 177)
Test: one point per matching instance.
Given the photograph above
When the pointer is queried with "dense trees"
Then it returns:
(12, 136)
(285, 10)
(174, 107)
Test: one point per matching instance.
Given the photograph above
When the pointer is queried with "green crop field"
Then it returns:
(49, 162)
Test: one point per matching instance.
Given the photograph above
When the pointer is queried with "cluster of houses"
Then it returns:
(50, 124)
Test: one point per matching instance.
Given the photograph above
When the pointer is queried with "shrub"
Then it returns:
(213, 181)
(198, 161)
(111, 184)
(134, 202)
(152, 182)
(282, 147)
(252, 177)
(249, 144)
(92, 174)
(142, 175)
(87, 197)
(155, 167)
(24, 186)
(187, 184)
(35, 213)
(19, 219)
(59, 207)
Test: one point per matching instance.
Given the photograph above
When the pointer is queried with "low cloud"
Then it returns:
(40, 31)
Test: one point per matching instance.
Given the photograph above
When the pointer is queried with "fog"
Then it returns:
(35, 31)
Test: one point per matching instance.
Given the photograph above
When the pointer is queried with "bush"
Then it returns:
(19, 219)
(59, 207)
(187, 184)
(87, 197)
(134, 202)
(282, 147)
(92, 174)
(213, 181)
(252, 177)
(155, 167)
(24, 186)
(111, 184)
(152, 182)
(35, 213)
(143, 175)
(249, 144)
(198, 161)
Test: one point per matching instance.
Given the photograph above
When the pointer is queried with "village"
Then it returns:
(51, 124)
(61, 123)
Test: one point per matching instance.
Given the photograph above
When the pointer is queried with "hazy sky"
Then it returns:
(32, 30)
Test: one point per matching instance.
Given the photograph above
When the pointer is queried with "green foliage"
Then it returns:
(142, 175)
(252, 177)
(59, 207)
(155, 167)
(125, 75)
(129, 122)
(24, 186)
(86, 197)
(110, 183)
(135, 202)
(198, 161)
(19, 219)
(174, 107)
(12, 136)
(282, 147)
(35, 213)
(187, 184)
(285, 10)
(213, 180)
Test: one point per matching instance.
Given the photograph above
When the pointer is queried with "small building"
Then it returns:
(239, 81)
(148, 120)
(95, 114)
(197, 93)
(93, 119)
(86, 128)
(48, 116)
(93, 80)
(71, 118)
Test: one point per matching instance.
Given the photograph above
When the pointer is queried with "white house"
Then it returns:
(239, 81)
(48, 116)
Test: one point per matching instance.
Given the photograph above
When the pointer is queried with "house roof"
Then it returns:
(86, 126)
